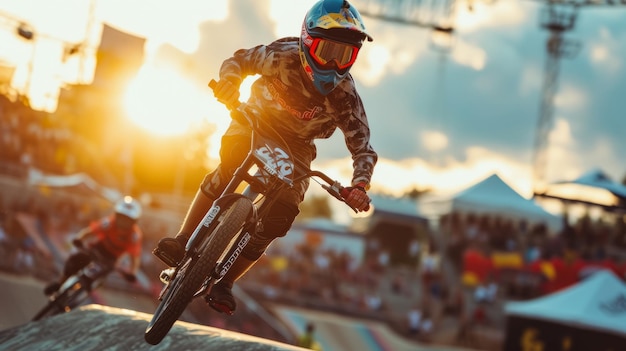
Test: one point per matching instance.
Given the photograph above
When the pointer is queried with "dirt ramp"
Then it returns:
(96, 327)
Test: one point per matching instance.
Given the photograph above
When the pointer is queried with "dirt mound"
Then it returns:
(96, 327)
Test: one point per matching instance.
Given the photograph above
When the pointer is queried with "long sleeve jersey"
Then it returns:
(286, 97)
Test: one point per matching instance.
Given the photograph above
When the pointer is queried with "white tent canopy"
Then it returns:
(595, 303)
(593, 187)
(493, 196)
(598, 179)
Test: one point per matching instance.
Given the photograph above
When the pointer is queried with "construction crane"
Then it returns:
(559, 17)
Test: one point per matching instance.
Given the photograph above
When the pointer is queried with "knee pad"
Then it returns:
(279, 219)
(233, 150)
(76, 262)
(275, 225)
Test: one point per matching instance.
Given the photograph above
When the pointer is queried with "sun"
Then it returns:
(164, 103)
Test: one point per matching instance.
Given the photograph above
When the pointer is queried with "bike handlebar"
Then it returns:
(333, 187)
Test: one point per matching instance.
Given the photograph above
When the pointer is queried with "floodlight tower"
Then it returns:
(559, 17)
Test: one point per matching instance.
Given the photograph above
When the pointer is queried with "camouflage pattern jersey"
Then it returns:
(286, 97)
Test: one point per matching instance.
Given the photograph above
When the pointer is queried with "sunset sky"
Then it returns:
(440, 120)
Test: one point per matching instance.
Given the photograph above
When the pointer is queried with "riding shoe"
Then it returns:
(221, 298)
(51, 288)
(171, 250)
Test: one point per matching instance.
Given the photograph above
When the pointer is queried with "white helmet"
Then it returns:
(128, 207)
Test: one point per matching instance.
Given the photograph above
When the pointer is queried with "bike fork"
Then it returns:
(231, 256)
(221, 268)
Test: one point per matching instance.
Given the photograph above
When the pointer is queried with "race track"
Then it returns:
(21, 298)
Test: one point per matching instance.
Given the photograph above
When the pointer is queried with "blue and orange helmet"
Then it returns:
(332, 34)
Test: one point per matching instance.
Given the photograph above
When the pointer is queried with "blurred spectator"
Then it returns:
(430, 271)
(479, 315)
(414, 318)
(307, 339)
(426, 327)
(486, 292)
(455, 304)
(25, 259)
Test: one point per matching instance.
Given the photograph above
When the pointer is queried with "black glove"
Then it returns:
(226, 92)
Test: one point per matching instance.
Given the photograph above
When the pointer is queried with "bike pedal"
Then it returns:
(166, 275)
(165, 258)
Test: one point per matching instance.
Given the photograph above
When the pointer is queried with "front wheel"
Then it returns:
(61, 302)
(53, 307)
(192, 273)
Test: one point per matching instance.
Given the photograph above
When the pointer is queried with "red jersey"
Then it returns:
(116, 240)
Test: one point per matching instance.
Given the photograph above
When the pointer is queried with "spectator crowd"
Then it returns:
(470, 266)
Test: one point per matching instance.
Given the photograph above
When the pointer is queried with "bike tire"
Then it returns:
(189, 279)
(55, 306)
(50, 309)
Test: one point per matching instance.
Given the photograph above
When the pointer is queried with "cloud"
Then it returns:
(530, 79)
(287, 16)
(163, 21)
(399, 176)
(499, 15)
(466, 54)
(434, 140)
(604, 53)
(571, 98)
(395, 50)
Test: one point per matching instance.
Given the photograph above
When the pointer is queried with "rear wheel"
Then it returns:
(192, 274)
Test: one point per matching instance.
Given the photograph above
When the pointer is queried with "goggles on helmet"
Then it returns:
(333, 54)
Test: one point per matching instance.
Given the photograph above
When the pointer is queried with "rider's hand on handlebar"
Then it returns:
(357, 198)
(78, 243)
(226, 92)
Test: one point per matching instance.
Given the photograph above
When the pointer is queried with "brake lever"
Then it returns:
(336, 191)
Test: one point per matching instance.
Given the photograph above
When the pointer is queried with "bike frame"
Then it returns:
(77, 287)
(267, 169)
(274, 172)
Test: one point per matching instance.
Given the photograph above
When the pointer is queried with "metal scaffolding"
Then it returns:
(558, 17)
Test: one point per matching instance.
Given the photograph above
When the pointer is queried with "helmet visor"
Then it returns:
(333, 54)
